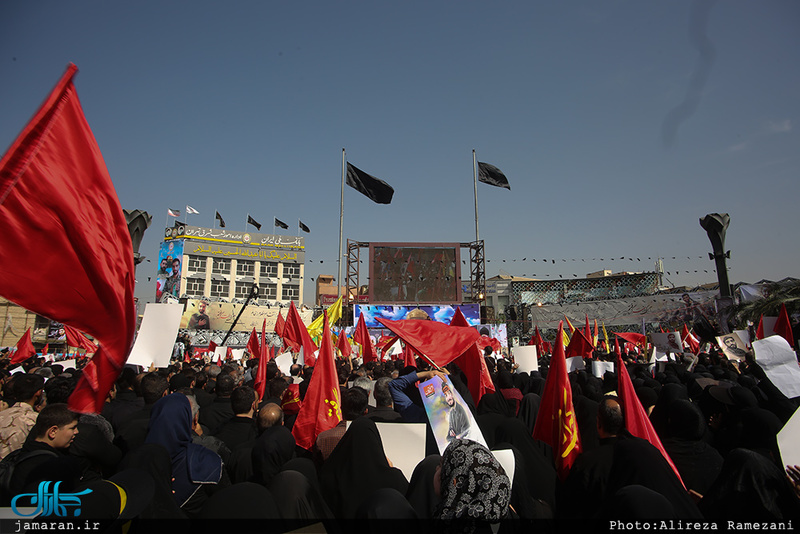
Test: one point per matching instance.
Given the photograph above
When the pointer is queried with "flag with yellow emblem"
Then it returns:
(334, 313)
(321, 408)
(556, 424)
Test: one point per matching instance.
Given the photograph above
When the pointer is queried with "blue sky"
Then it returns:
(245, 107)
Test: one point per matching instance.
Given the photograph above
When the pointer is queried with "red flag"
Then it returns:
(280, 325)
(386, 342)
(443, 344)
(783, 327)
(344, 344)
(212, 347)
(636, 420)
(78, 340)
(473, 364)
(556, 424)
(296, 333)
(459, 319)
(260, 384)
(361, 336)
(55, 189)
(587, 330)
(252, 344)
(408, 356)
(616, 347)
(690, 340)
(760, 329)
(321, 408)
(45, 349)
(24, 348)
(579, 345)
(633, 337)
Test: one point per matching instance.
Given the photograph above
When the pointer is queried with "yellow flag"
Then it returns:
(605, 335)
(334, 313)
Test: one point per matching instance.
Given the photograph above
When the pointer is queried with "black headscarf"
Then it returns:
(420, 493)
(475, 489)
(343, 486)
(155, 460)
(298, 500)
(245, 500)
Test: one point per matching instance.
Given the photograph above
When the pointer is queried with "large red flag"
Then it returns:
(616, 347)
(361, 336)
(321, 409)
(78, 340)
(760, 329)
(587, 330)
(280, 325)
(25, 348)
(689, 339)
(55, 190)
(443, 344)
(473, 363)
(296, 333)
(636, 420)
(260, 384)
(556, 424)
(343, 344)
(579, 345)
(633, 337)
(409, 359)
(783, 327)
(252, 344)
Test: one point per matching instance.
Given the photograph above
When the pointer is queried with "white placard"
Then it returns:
(219, 354)
(599, 368)
(67, 364)
(506, 459)
(744, 335)
(156, 337)
(238, 354)
(284, 362)
(575, 363)
(768, 324)
(667, 342)
(789, 441)
(527, 358)
(403, 444)
(779, 361)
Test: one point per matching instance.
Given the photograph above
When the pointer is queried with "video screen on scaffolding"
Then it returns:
(422, 273)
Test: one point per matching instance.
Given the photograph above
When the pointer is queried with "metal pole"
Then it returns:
(475, 180)
(253, 293)
(341, 226)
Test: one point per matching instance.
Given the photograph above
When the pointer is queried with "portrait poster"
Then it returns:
(667, 342)
(526, 357)
(170, 263)
(448, 414)
(733, 346)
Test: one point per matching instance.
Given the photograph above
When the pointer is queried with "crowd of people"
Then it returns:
(193, 445)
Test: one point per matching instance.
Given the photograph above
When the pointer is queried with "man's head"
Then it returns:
(354, 403)
(729, 342)
(176, 267)
(295, 369)
(244, 401)
(164, 264)
(448, 395)
(270, 415)
(201, 307)
(27, 388)
(56, 425)
(671, 338)
(383, 397)
(154, 386)
(225, 385)
(609, 417)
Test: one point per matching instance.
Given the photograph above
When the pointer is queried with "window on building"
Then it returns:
(242, 290)
(219, 288)
(290, 293)
(268, 291)
(291, 270)
(221, 266)
(269, 269)
(197, 264)
(195, 287)
(245, 268)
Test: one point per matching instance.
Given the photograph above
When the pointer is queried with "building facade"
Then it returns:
(218, 264)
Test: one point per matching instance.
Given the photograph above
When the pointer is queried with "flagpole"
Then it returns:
(475, 183)
(245, 222)
(341, 226)
(215, 218)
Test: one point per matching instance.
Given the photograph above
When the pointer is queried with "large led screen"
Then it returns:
(418, 273)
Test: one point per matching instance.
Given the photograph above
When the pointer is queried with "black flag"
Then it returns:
(281, 224)
(220, 219)
(252, 221)
(373, 188)
(489, 174)
(304, 228)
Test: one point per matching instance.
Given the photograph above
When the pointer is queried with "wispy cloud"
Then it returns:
(777, 127)
(772, 127)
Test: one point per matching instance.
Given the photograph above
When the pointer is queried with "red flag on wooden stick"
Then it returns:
(25, 348)
(55, 189)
